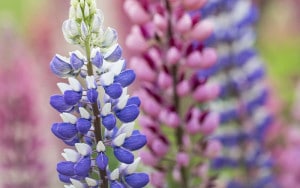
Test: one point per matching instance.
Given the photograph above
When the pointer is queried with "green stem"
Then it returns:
(176, 101)
(96, 113)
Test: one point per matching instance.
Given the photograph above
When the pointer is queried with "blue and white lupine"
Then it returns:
(97, 112)
(242, 101)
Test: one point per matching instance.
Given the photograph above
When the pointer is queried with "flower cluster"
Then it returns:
(168, 43)
(21, 145)
(242, 104)
(97, 112)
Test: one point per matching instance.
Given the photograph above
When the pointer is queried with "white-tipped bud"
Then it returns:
(84, 30)
(82, 3)
(78, 12)
(131, 168)
(117, 67)
(64, 87)
(126, 128)
(100, 147)
(86, 10)
(70, 28)
(84, 113)
(119, 140)
(68, 118)
(83, 149)
(72, 12)
(97, 23)
(91, 182)
(74, 3)
(110, 37)
(77, 183)
(91, 84)
(106, 109)
(122, 101)
(107, 78)
(71, 155)
(75, 84)
(114, 174)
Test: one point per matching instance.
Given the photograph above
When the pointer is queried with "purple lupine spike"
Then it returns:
(243, 94)
(90, 118)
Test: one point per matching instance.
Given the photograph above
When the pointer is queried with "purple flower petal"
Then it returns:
(72, 97)
(64, 130)
(65, 168)
(98, 60)
(76, 62)
(116, 184)
(82, 167)
(109, 121)
(115, 55)
(83, 125)
(102, 161)
(134, 100)
(114, 90)
(135, 141)
(128, 114)
(58, 103)
(125, 78)
(137, 180)
(92, 95)
(59, 67)
(123, 155)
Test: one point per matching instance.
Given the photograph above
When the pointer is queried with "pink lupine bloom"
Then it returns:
(169, 51)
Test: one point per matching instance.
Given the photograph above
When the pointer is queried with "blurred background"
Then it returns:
(30, 35)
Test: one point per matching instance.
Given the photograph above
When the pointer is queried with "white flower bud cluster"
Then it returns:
(85, 24)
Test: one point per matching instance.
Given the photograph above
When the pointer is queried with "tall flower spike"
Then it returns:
(244, 115)
(95, 123)
(169, 47)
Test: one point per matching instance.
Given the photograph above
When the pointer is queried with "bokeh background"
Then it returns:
(30, 34)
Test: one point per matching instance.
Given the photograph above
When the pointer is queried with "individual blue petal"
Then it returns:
(72, 141)
(58, 103)
(134, 100)
(92, 95)
(125, 78)
(123, 155)
(135, 141)
(114, 90)
(128, 114)
(64, 130)
(116, 184)
(137, 180)
(83, 125)
(115, 55)
(72, 97)
(63, 178)
(76, 62)
(59, 67)
(102, 161)
(65, 168)
(82, 167)
(109, 121)
(98, 60)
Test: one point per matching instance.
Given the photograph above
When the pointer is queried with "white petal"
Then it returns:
(69, 186)
(64, 87)
(119, 140)
(78, 11)
(94, 52)
(106, 109)
(117, 67)
(107, 78)
(84, 113)
(90, 80)
(122, 101)
(83, 149)
(100, 147)
(76, 183)
(131, 168)
(115, 174)
(126, 128)
(75, 84)
(68, 118)
(91, 182)
(71, 155)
